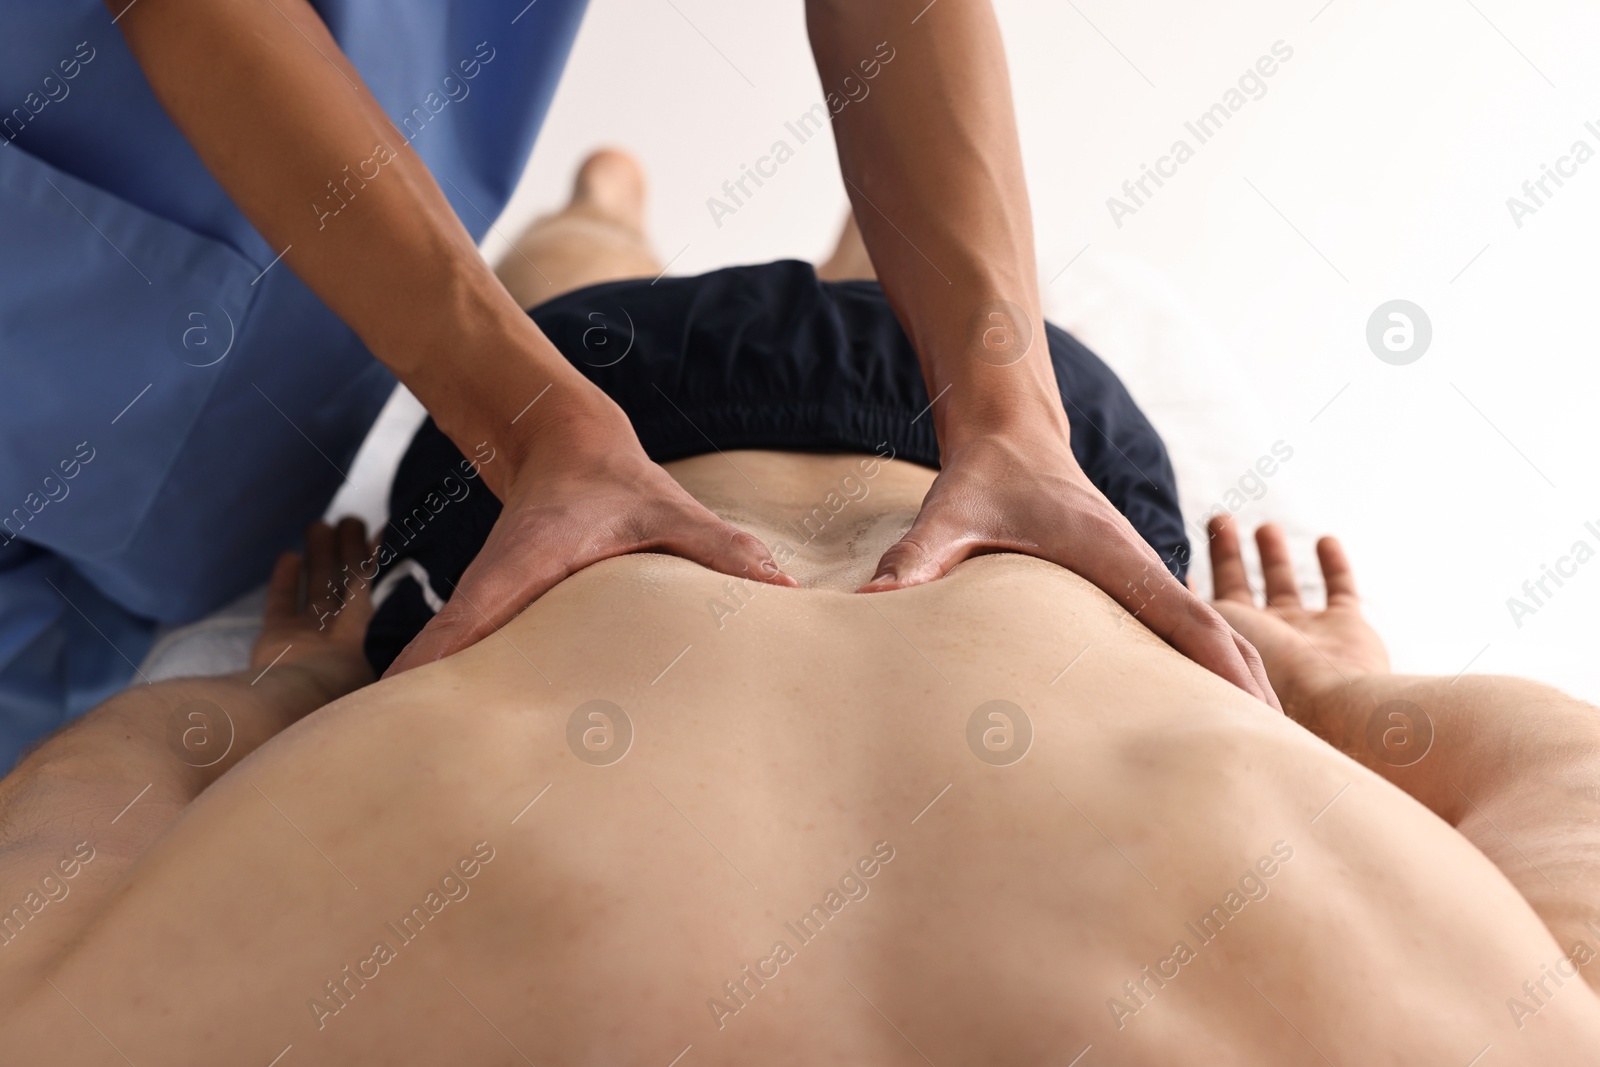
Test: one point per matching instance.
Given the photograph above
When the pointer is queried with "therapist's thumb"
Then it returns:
(927, 551)
(491, 592)
(445, 634)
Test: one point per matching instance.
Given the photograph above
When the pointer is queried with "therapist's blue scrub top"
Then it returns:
(175, 408)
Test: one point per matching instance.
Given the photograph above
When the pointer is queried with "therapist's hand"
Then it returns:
(952, 242)
(1023, 491)
(585, 492)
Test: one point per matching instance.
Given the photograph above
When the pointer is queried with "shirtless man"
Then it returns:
(989, 819)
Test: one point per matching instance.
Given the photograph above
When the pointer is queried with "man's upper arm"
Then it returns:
(83, 806)
(66, 834)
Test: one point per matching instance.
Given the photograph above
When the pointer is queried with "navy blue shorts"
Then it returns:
(763, 357)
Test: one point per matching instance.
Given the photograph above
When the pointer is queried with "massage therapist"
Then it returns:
(225, 228)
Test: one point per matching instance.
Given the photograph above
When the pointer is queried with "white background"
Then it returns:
(1384, 152)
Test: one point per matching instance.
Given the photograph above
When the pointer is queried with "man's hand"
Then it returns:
(163, 744)
(1306, 653)
(319, 631)
(1027, 494)
(588, 492)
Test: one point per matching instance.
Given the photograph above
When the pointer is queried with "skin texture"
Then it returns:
(780, 737)
(273, 108)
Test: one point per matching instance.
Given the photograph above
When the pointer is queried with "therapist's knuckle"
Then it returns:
(633, 527)
(1207, 624)
(1248, 651)
(1185, 622)
(526, 516)
(745, 543)
(450, 623)
(1091, 529)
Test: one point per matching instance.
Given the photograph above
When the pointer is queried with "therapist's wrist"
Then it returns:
(990, 408)
(451, 329)
(496, 385)
(1000, 402)
(557, 417)
(990, 373)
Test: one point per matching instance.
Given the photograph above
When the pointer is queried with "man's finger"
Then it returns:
(1276, 567)
(1228, 580)
(283, 588)
(319, 565)
(1336, 573)
(351, 541)
(353, 589)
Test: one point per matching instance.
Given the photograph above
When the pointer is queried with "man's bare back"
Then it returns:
(989, 819)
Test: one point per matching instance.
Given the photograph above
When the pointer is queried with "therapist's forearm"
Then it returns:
(276, 112)
(932, 164)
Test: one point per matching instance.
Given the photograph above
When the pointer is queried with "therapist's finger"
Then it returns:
(926, 553)
(1169, 609)
(1194, 628)
(1258, 670)
(696, 534)
(509, 572)
(1104, 548)
(522, 559)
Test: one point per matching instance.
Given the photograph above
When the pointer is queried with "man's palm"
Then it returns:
(1305, 651)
